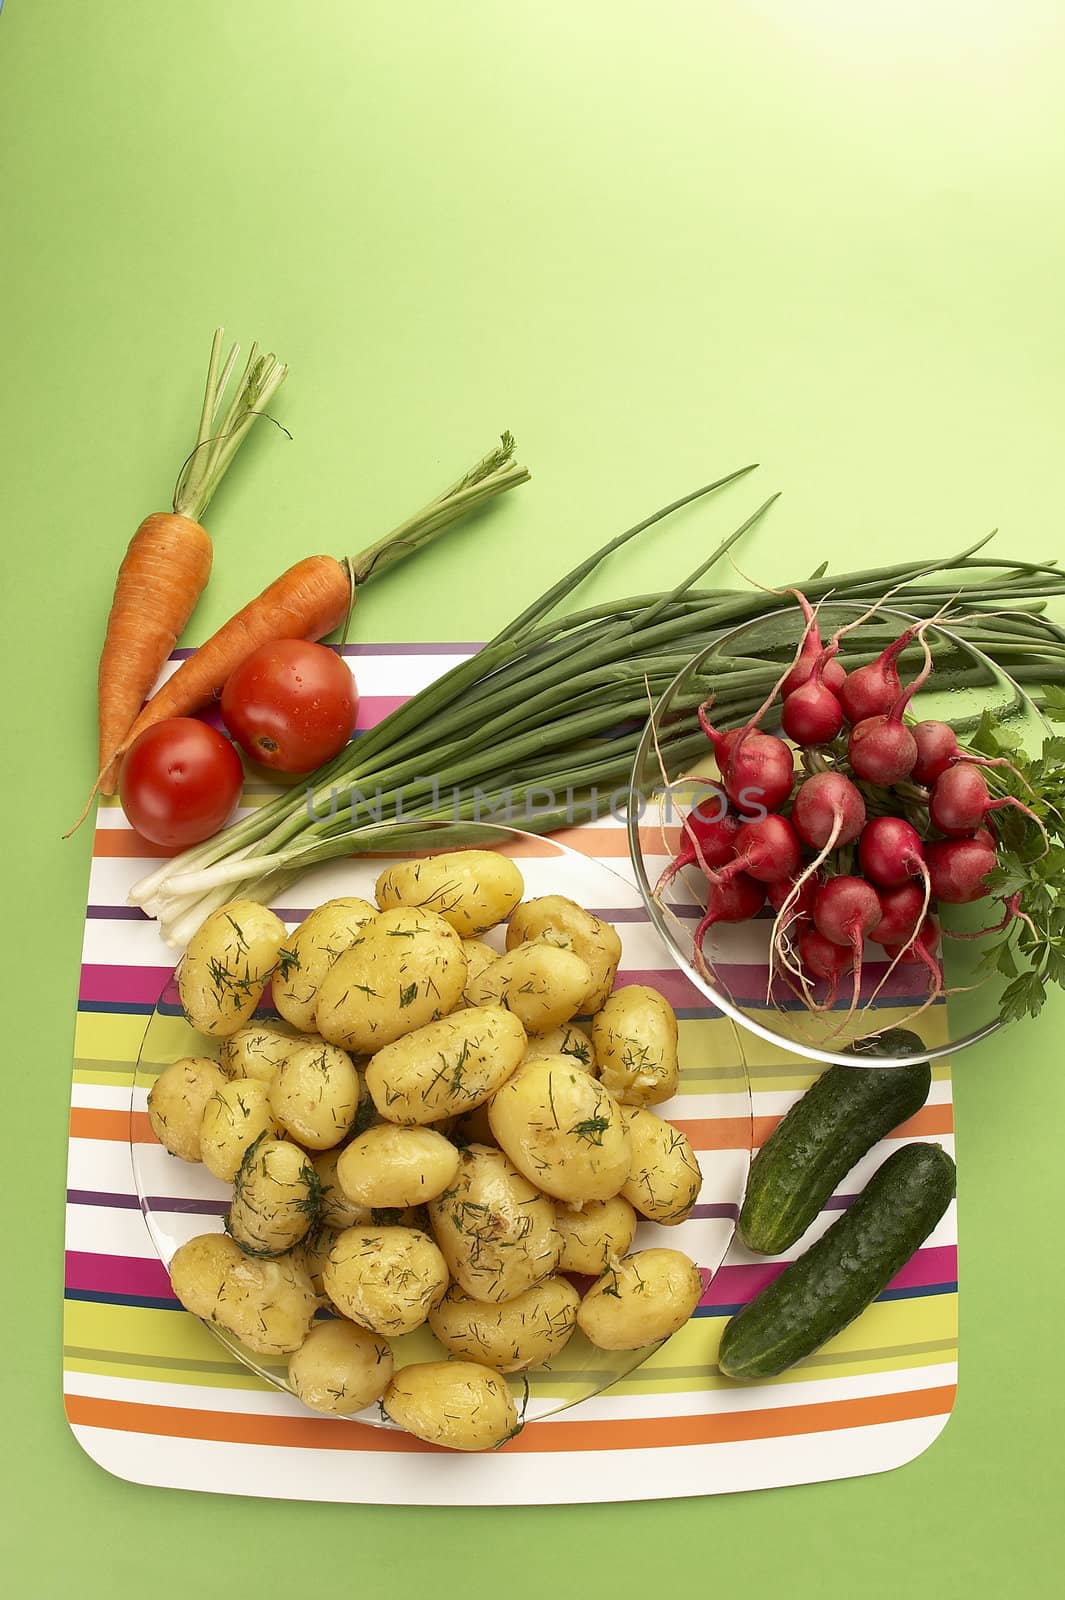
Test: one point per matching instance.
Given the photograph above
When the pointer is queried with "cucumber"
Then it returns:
(812, 1149)
(818, 1295)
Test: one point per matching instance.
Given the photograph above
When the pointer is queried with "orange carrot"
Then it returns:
(168, 562)
(314, 597)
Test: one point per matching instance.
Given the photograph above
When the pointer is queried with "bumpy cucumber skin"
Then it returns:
(815, 1297)
(838, 1119)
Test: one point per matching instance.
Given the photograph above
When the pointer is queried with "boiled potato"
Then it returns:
(198, 1271)
(521, 1333)
(540, 983)
(385, 1279)
(595, 1234)
(448, 1066)
(307, 955)
(471, 889)
(176, 1100)
(275, 1198)
(340, 1368)
(314, 1094)
(562, 1130)
(403, 970)
(389, 1166)
(227, 966)
(664, 1181)
(312, 1252)
(335, 1210)
(645, 1298)
(496, 1231)
(635, 1038)
(234, 1117)
(568, 1040)
(257, 1050)
(563, 922)
(478, 956)
(458, 1404)
(267, 1305)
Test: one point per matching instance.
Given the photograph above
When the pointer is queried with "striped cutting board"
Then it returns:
(153, 1397)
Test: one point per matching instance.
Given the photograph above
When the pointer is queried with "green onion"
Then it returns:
(556, 704)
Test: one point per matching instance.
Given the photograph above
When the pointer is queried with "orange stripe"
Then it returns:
(115, 843)
(705, 1133)
(319, 1433)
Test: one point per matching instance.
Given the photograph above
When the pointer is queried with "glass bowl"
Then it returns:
(963, 685)
(180, 1200)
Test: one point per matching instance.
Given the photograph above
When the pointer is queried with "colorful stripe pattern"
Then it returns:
(155, 1398)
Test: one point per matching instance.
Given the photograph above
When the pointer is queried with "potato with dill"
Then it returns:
(340, 1369)
(473, 890)
(257, 1050)
(556, 920)
(635, 1037)
(312, 1252)
(389, 1166)
(314, 1094)
(562, 1130)
(461, 1405)
(176, 1101)
(310, 952)
(227, 965)
(446, 1067)
(275, 1198)
(268, 1305)
(405, 969)
(542, 984)
(478, 956)
(234, 1117)
(335, 1210)
(595, 1234)
(386, 1279)
(495, 1229)
(568, 1040)
(643, 1299)
(513, 1336)
(665, 1177)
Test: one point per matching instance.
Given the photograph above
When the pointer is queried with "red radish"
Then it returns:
(758, 769)
(882, 749)
(811, 714)
(828, 811)
(960, 801)
(871, 691)
(802, 905)
(901, 912)
(845, 910)
(921, 950)
(812, 654)
(890, 852)
(958, 869)
(738, 900)
(825, 960)
(938, 749)
(768, 850)
(705, 841)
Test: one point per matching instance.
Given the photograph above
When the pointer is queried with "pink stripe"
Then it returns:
(373, 708)
(122, 985)
(734, 1286)
(117, 1275)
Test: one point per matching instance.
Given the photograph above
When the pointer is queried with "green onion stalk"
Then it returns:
(554, 707)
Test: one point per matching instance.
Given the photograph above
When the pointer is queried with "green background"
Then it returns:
(655, 240)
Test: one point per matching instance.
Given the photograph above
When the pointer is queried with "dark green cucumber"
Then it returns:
(817, 1296)
(813, 1148)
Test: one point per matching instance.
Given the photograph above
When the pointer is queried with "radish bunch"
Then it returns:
(793, 826)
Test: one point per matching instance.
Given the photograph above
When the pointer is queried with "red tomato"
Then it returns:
(291, 705)
(180, 781)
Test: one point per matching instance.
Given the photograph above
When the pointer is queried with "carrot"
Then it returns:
(315, 596)
(168, 562)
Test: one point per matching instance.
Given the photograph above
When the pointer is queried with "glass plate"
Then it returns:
(963, 685)
(180, 1200)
